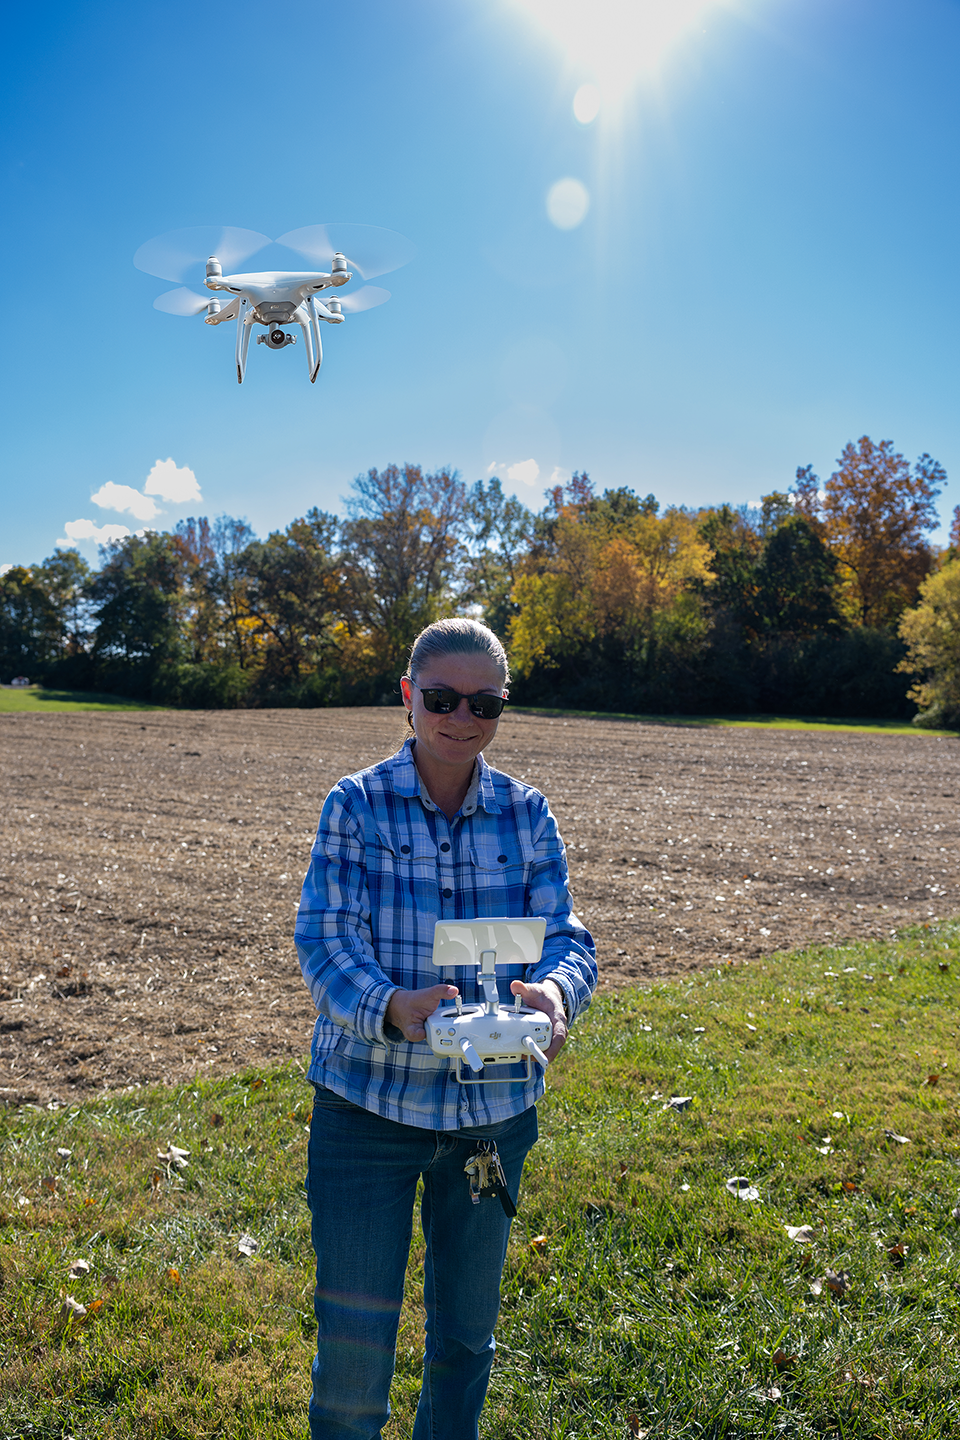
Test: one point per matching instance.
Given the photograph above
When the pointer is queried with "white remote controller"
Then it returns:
(488, 1033)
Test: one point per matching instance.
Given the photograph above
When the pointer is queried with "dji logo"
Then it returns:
(495, 1034)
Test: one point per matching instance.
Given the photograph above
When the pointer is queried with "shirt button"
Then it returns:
(446, 894)
(444, 846)
(404, 849)
(502, 859)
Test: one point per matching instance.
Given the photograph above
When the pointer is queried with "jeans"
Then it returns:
(361, 1184)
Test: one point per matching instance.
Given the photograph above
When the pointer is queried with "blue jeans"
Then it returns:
(361, 1184)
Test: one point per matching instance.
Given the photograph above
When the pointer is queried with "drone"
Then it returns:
(274, 298)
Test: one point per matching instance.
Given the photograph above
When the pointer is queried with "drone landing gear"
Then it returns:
(244, 323)
(308, 318)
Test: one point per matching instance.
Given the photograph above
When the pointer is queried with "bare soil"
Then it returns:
(151, 865)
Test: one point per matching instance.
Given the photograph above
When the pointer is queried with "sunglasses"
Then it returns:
(443, 702)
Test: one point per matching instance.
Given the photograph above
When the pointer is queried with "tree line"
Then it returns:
(823, 599)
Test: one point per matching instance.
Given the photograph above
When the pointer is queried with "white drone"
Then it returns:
(274, 298)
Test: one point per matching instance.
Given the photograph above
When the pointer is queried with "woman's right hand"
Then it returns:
(408, 1009)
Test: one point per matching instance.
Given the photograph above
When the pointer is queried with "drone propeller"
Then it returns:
(370, 250)
(363, 299)
(181, 254)
(181, 302)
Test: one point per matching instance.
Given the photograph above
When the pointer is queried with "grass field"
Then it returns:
(752, 722)
(640, 1295)
(38, 700)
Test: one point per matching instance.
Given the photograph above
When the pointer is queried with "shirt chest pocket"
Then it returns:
(402, 860)
(500, 872)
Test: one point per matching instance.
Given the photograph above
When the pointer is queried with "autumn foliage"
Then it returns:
(608, 601)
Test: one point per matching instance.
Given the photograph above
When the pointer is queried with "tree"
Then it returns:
(931, 631)
(293, 584)
(65, 577)
(498, 532)
(400, 555)
(138, 594)
(600, 569)
(28, 623)
(874, 513)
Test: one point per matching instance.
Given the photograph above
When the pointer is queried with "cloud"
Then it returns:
(5, 568)
(173, 483)
(124, 497)
(560, 476)
(77, 530)
(494, 466)
(525, 471)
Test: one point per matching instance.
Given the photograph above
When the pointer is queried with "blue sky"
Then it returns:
(766, 270)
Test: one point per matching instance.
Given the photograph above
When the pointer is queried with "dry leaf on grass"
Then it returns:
(247, 1245)
(679, 1102)
(78, 1268)
(933, 1079)
(73, 1307)
(900, 1139)
(803, 1234)
(782, 1361)
(64, 1154)
(539, 1242)
(49, 1183)
(635, 1428)
(173, 1275)
(173, 1156)
(897, 1254)
(740, 1186)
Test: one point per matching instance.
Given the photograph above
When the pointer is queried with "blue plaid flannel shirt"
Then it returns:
(385, 866)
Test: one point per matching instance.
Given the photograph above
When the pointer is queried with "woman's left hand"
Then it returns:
(548, 997)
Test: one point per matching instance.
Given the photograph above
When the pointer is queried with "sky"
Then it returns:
(684, 246)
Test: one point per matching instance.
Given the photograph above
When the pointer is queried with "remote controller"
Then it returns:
(488, 1033)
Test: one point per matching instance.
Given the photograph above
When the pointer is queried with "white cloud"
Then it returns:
(560, 476)
(525, 471)
(5, 568)
(77, 530)
(494, 466)
(124, 497)
(173, 483)
(568, 201)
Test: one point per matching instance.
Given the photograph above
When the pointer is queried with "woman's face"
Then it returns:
(453, 740)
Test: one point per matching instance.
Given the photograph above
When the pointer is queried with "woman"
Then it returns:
(431, 833)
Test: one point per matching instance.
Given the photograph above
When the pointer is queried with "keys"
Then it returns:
(487, 1180)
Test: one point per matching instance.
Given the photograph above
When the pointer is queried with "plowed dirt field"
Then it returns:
(151, 865)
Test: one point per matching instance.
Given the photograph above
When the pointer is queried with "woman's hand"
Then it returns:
(548, 997)
(407, 1009)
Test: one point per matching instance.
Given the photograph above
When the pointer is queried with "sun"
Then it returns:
(616, 42)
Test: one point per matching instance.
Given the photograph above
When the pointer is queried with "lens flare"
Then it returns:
(616, 41)
(568, 201)
(586, 104)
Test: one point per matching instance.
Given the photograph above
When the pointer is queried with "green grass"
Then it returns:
(750, 722)
(38, 700)
(635, 1284)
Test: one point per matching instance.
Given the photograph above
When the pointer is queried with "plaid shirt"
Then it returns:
(386, 865)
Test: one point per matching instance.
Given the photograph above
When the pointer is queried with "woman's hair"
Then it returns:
(457, 637)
